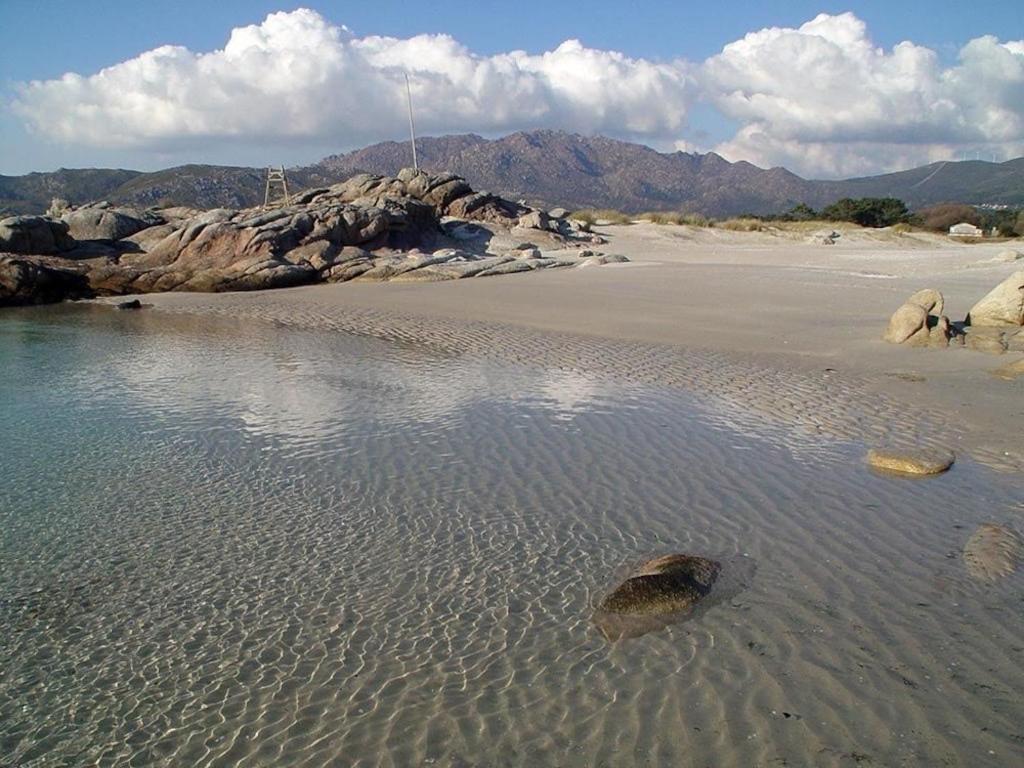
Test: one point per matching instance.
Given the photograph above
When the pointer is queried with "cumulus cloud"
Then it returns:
(296, 76)
(821, 99)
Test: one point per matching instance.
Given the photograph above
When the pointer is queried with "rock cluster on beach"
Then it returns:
(994, 324)
(416, 226)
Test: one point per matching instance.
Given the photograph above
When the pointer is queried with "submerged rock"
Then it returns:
(665, 584)
(668, 590)
(993, 552)
(917, 461)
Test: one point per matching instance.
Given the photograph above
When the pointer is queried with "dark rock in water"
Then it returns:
(663, 585)
(133, 304)
(668, 590)
(24, 281)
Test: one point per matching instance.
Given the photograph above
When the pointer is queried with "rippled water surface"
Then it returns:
(226, 543)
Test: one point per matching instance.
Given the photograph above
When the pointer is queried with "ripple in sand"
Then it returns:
(993, 552)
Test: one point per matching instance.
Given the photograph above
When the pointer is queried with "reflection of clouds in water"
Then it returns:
(296, 386)
(567, 393)
(307, 387)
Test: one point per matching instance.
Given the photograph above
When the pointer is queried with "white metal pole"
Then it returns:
(412, 126)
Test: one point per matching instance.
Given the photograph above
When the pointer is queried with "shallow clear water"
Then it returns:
(225, 543)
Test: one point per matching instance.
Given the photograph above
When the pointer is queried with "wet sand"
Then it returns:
(765, 321)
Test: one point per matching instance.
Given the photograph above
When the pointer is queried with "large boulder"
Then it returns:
(929, 300)
(909, 322)
(1003, 305)
(108, 223)
(34, 235)
(25, 281)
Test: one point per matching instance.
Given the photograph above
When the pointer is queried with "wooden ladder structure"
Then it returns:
(276, 179)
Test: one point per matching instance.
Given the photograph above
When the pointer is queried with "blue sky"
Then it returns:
(699, 100)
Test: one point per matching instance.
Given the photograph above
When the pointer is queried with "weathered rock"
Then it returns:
(1010, 371)
(367, 228)
(992, 552)
(667, 584)
(1003, 305)
(929, 300)
(24, 281)
(108, 223)
(37, 235)
(906, 323)
(986, 339)
(940, 333)
(918, 461)
(558, 213)
(534, 220)
(823, 238)
(600, 259)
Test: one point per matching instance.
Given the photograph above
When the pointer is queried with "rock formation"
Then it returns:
(1003, 305)
(416, 226)
(995, 324)
(919, 320)
(34, 235)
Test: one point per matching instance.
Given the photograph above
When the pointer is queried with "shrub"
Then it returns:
(943, 216)
(676, 217)
(868, 211)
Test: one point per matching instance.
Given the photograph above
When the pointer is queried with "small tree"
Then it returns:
(868, 211)
(801, 212)
(944, 215)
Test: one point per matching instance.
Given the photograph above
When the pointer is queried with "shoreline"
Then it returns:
(729, 315)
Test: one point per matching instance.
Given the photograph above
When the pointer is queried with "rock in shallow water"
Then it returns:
(663, 585)
(993, 552)
(916, 461)
(668, 590)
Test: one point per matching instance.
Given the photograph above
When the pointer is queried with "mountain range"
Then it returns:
(544, 168)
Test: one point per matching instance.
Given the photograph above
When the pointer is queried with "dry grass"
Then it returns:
(742, 225)
(676, 217)
(591, 216)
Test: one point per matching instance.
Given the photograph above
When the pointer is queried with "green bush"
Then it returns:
(867, 211)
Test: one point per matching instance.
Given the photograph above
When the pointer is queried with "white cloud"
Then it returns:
(822, 99)
(296, 76)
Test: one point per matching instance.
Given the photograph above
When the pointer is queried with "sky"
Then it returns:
(825, 89)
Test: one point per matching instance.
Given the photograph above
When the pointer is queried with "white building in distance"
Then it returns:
(963, 229)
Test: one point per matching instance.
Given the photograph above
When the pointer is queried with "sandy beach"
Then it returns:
(765, 322)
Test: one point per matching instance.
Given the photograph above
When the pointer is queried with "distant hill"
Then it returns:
(547, 168)
(553, 168)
